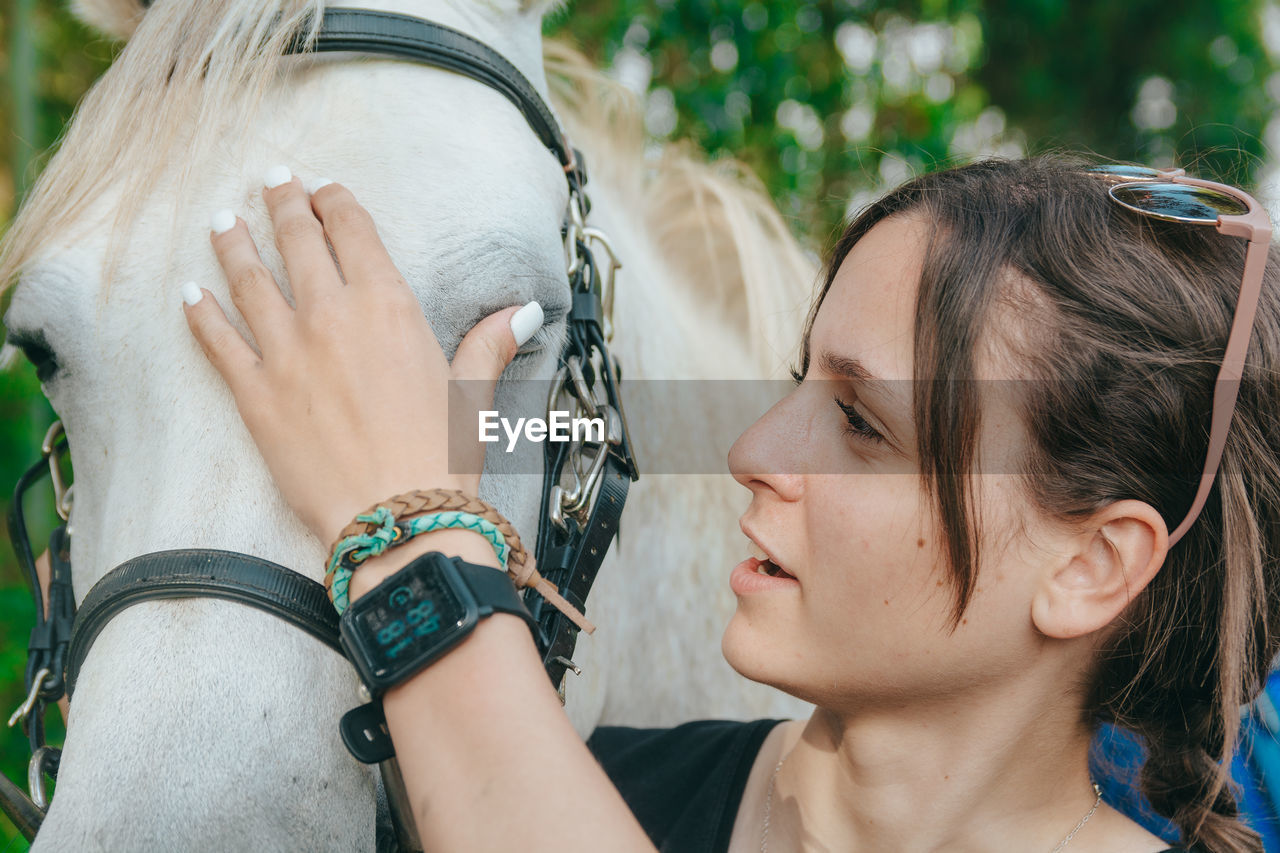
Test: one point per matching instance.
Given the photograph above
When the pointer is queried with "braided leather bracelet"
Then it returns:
(520, 563)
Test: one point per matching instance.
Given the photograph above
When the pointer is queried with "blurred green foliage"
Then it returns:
(826, 101)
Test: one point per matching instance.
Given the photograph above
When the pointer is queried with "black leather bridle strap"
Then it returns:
(203, 573)
(389, 34)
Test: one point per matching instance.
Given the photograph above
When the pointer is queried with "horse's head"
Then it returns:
(194, 111)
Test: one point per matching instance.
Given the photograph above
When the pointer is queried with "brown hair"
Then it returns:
(1131, 319)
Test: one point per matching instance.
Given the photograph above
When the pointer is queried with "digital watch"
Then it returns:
(421, 612)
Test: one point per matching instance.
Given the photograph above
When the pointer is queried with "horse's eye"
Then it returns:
(36, 348)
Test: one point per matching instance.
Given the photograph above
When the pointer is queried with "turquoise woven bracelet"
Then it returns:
(354, 550)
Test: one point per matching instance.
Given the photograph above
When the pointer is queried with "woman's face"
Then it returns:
(866, 619)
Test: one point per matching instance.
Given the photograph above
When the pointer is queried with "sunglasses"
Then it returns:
(1171, 196)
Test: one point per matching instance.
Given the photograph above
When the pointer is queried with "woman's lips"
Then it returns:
(745, 578)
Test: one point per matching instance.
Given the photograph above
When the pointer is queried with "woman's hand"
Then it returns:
(348, 404)
(349, 400)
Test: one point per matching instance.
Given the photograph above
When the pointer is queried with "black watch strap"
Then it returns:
(495, 593)
(364, 728)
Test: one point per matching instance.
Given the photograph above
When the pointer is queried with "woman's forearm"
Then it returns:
(488, 755)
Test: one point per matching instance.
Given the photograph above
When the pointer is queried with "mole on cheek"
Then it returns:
(919, 543)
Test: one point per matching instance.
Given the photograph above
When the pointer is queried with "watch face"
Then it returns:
(410, 619)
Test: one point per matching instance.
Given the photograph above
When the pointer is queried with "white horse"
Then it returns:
(203, 724)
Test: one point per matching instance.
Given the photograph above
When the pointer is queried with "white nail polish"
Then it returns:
(222, 221)
(191, 293)
(318, 183)
(276, 176)
(525, 322)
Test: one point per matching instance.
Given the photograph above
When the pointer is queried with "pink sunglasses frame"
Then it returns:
(1254, 226)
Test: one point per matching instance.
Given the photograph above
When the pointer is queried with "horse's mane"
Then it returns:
(190, 66)
(712, 221)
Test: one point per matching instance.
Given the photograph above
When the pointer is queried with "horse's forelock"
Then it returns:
(186, 66)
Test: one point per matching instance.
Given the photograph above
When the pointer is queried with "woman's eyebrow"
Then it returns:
(846, 367)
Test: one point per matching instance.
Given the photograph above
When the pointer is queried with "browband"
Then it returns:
(390, 34)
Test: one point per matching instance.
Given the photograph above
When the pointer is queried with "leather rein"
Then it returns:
(585, 483)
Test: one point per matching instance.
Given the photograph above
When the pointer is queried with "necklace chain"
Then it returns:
(773, 780)
(1097, 798)
(768, 805)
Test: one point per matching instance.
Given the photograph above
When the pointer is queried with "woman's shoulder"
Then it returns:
(684, 783)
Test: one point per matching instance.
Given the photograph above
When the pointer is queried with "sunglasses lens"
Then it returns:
(1178, 202)
(1125, 173)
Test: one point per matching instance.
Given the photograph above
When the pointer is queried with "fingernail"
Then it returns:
(318, 183)
(276, 176)
(525, 322)
(222, 221)
(191, 293)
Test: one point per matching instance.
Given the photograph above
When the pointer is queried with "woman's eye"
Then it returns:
(858, 426)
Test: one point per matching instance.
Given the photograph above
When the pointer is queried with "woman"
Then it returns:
(988, 577)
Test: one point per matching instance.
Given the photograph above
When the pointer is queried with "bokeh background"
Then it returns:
(828, 102)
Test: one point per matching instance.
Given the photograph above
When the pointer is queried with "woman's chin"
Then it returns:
(750, 652)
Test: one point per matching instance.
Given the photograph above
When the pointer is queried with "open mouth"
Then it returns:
(766, 565)
(773, 570)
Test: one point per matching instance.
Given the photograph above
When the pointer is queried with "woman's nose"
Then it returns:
(767, 455)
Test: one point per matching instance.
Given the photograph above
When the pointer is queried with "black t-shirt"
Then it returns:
(684, 784)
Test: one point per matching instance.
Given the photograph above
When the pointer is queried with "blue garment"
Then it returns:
(1118, 754)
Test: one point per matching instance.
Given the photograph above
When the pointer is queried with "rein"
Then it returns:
(584, 489)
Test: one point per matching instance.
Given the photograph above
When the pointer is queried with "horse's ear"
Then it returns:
(117, 18)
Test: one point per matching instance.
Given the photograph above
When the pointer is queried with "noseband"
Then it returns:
(584, 489)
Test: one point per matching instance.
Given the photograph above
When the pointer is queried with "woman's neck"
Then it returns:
(996, 769)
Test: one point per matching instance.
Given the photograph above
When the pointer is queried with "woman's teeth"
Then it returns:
(766, 565)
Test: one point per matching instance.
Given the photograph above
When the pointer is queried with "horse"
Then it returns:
(204, 724)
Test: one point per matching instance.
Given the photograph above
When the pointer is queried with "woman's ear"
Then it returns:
(1102, 570)
(116, 18)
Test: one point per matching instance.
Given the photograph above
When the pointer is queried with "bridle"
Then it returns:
(584, 489)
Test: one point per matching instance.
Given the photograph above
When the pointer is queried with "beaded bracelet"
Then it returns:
(464, 511)
(353, 550)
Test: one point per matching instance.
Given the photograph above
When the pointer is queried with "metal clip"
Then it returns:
(36, 770)
(30, 702)
(607, 279)
(561, 659)
(53, 451)
(579, 500)
(579, 385)
(574, 227)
